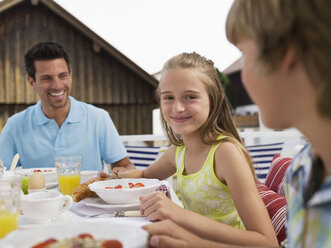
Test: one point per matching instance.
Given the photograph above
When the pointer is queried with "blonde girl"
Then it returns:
(215, 175)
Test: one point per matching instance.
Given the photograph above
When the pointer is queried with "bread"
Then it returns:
(83, 191)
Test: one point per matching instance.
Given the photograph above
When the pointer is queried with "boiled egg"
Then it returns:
(37, 181)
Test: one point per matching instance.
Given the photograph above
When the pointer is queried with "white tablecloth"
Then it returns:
(69, 217)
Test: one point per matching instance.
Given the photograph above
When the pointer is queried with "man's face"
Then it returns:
(52, 84)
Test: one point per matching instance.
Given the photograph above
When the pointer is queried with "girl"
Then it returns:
(214, 172)
(286, 70)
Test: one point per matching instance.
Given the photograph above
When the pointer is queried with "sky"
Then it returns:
(149, 32)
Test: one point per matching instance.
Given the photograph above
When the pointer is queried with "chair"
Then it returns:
(143, 156)
(262, 156)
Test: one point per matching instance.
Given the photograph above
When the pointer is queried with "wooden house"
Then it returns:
(238, 92)
(239, 96)
(102, 75)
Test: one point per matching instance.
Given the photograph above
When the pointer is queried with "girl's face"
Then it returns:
(184, 101)
(266, 89)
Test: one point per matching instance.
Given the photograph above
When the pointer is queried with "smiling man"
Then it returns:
(59, 125)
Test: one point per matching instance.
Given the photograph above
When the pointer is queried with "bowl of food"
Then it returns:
(125, 190)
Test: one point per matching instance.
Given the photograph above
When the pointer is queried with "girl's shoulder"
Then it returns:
(227, 149)
(227, 146)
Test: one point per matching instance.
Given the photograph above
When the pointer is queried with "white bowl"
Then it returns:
(50, 174)
(43, 206)
(124, 196)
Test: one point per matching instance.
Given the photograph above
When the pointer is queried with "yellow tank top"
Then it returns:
(203, 193)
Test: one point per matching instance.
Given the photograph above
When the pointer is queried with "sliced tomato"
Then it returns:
(45, 243)
(85, 235)
(138, 185)
(131, 185)
(112, 244)
(118, 187)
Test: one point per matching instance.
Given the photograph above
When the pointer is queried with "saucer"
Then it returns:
(99, 203)
(51, 185)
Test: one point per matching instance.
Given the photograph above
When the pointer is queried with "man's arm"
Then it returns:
(123, 163)
(7, 145)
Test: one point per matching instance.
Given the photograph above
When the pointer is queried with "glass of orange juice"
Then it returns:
(68, 171)
(10, 191)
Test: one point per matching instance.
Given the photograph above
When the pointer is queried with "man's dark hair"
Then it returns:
(44, 51)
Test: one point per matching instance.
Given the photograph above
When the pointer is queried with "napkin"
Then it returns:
(88, 211)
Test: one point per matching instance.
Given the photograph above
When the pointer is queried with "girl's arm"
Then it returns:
(232, 168)
(161, 169)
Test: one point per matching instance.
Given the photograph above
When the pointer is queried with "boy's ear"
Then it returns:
(290, 61)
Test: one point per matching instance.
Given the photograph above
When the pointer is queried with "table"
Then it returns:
(100, 225)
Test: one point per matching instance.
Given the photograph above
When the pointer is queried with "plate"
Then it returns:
(131, 235)
(51, 185)
(99, 203)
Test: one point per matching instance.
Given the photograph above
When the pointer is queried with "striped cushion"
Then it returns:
(143, 156)
(276, 206)
(276, 175)
(262, 156)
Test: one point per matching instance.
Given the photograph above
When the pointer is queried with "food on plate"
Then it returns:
(42, 170)
(84, 240)
(129, 186)
(36, 181)
(83, 191)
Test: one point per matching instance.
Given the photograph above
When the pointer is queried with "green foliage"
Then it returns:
(227, 87)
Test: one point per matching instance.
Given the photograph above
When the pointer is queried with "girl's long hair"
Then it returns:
(219, 120)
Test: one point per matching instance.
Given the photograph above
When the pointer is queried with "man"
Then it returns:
(59, 125)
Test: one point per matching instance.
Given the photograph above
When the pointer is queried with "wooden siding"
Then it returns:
(98, 77)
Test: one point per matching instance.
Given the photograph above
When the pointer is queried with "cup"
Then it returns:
(44, 206)
(10, 191)
(68, 172)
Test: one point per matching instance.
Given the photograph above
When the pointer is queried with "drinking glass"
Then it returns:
(10, 191)
(68, 171)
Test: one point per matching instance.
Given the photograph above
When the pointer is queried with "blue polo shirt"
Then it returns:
(87, 131)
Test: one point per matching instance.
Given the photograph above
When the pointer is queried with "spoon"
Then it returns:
(14, 162)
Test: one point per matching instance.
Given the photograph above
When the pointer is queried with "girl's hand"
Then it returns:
(158, 206)
(168, 234)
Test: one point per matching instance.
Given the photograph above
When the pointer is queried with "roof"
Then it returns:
(98, 41)
(234, 67)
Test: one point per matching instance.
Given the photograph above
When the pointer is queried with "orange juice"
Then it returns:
(8, 222)
(67, 183)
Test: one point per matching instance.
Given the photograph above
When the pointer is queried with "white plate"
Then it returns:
(99, 203)
(51, 185)
(131, 236)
